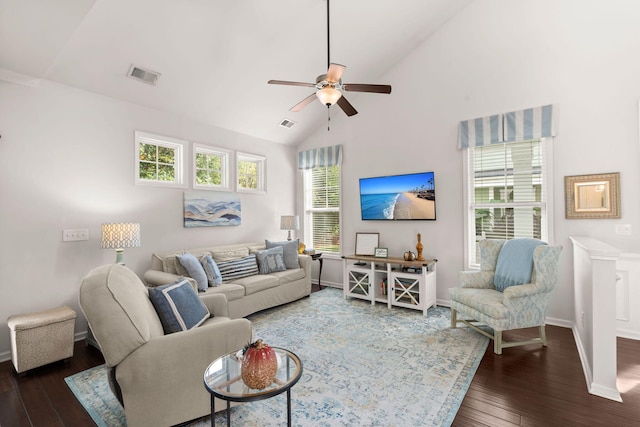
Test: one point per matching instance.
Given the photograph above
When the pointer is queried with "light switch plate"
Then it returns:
(623, 229)
(75, 235)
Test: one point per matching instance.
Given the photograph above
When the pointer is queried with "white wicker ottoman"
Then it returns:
(41, 338)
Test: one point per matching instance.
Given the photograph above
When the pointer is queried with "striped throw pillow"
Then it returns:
(238, 268)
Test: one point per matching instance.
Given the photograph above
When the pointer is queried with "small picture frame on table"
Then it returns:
(382, 253)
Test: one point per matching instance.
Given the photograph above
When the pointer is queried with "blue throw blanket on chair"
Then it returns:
(515, 263)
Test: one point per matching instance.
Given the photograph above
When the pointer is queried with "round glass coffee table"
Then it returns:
(223, 380)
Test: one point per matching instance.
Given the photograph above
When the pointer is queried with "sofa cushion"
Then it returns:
(257, 283)
(238, 268)
(270, 260)
(229, 254)
(230, 290)
(290, 251)
(288, 276)
(194, 270)
(170, 263)
(178, 306)
(214, 278)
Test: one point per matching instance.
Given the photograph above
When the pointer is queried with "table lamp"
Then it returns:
(120, 236)
(289, 222)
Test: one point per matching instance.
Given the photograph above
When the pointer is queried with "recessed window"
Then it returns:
(211, 168)
(251, 173)
(159, 160)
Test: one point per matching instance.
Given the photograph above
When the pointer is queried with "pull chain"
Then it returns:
(328, 119)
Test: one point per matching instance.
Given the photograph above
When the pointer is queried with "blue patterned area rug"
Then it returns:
(364, 365)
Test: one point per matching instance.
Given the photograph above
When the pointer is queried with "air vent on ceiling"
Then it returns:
(286, 123)
(147, 76)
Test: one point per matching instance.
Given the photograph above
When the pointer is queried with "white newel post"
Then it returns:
(595, 313)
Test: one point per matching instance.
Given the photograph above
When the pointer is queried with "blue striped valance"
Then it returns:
(482, 131)
(532, 123)
(320, 157)
(523, 125)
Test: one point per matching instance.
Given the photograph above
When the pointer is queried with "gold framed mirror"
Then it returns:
(592, 196)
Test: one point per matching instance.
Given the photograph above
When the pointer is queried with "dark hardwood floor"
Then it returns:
(525, 386)
(537, 386)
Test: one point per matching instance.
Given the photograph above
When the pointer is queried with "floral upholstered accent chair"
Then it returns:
(483, 298)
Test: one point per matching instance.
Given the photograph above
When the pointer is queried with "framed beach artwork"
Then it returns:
(211, 209)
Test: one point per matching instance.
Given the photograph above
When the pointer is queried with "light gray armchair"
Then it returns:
(520, 306)
(158, 377)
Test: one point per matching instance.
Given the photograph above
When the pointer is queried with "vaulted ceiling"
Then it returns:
(215, 57)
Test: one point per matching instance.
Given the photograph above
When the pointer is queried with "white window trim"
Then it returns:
(469, 220)
(226, 169)
(262, 172)
(179, 145)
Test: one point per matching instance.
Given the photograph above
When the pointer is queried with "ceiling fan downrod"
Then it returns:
(328, 38)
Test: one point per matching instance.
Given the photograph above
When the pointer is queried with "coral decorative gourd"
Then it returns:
(259, 365)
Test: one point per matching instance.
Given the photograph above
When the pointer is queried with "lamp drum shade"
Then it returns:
(289, 222)
(120, 235)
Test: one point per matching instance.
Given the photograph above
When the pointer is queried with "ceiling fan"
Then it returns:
(329, 87)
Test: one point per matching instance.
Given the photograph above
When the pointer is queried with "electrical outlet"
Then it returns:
(75, 235)
(623, 229)
(582, 318)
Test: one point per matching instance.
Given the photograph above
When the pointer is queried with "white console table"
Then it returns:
(390, 281)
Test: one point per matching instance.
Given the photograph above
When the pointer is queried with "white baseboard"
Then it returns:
(5, 356)
(559, 322)
(629, 334)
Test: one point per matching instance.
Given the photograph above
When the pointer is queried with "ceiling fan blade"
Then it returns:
(335, 72)
(300, 105)
(367, 88)
(346, 106)
(288, 83)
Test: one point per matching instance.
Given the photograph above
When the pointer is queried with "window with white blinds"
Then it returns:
(322, 209)
(507, 193)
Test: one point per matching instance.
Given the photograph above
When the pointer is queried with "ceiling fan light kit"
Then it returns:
(329, 87)
(328, 95)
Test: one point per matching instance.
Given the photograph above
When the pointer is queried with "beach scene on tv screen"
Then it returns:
(398, 197)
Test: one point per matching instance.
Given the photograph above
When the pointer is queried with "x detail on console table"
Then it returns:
(394, 281)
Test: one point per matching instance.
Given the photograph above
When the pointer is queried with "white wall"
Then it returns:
(498, 56)
(67, 161)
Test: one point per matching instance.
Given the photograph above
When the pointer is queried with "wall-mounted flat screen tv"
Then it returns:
(398, 197)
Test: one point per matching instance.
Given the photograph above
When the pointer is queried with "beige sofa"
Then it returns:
(158, 377)
(245, 295)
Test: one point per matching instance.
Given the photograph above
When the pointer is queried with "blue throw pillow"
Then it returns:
(211, 270)
(290, 251)
(515, 263)
(238, 268)
(194, 270)
(178, 306)
(271, 260)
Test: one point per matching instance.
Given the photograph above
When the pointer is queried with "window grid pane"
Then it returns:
(248, 174)
(157, 163)
(208, 169)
